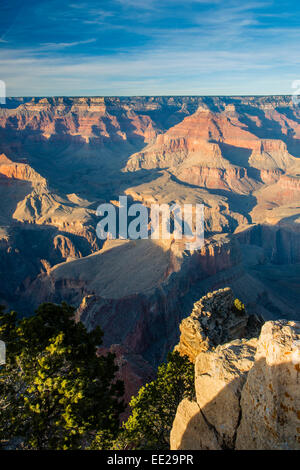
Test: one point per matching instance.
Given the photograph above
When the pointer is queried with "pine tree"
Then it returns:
(153, 409)
(55, 392)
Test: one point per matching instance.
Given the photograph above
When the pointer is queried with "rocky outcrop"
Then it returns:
(43, 207)
(39, 205)
(224, 368)
(247, 394)
(271, 155)
(270, 176)
(200, 435)
(270, 400)
(211, 421)
(234, 178)
(20, 171)
(216, 319)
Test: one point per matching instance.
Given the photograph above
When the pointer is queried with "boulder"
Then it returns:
(216, 319)
(271, 396)
(247, 394)
(219, 378)
(200, 435)
(211, 422)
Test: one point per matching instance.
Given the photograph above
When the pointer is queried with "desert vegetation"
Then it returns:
(58, 392)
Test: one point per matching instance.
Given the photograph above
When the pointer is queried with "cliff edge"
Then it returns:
(247, 391)
(216, 318)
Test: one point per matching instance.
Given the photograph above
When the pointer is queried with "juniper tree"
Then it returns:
(153, 409)
(55, 392)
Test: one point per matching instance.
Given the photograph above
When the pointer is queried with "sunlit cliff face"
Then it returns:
(246, 394)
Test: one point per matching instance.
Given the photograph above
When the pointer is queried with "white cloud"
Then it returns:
(222, 51)
(160, 71)
(61, 45)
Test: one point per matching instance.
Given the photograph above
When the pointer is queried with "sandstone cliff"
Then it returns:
(216, 319)
(247, 393)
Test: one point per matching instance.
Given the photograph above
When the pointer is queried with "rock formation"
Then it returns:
(210, 423)
(247, 392)
(216, 319)
(270, 400)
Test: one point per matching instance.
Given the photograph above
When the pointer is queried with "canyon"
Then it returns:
(61, 157)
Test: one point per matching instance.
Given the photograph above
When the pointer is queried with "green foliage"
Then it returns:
(239, 306)
(55, 392)
(154, 408)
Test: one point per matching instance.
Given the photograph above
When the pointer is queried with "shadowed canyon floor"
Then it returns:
(62, 157)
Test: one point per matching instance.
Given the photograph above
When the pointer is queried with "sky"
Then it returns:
(149, 47)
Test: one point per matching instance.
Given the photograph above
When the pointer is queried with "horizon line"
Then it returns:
(151, 96)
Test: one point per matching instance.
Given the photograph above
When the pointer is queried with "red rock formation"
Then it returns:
(270, 176)
(21, 171)
(234, 178)
(86, 118)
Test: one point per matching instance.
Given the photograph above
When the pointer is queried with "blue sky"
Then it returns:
(149, 47)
